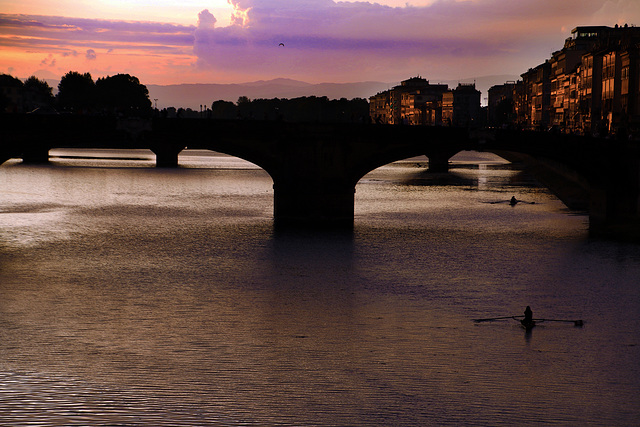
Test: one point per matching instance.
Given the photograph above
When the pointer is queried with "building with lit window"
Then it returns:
(411, 102)
(423, 107)
(630, 86)
(591, 86)
(380, 108)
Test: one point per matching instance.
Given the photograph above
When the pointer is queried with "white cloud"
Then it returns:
(206, 20)
(619, 12)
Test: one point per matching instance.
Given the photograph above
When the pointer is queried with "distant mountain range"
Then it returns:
(194, 95)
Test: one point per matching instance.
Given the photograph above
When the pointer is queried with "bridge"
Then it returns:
(316, 166)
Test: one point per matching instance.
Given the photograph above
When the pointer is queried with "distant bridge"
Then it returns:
(315, 167)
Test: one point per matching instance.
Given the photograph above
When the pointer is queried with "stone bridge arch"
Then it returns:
(315, 166)
(438, 147)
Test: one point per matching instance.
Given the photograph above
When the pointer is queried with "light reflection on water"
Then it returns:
(140, 296)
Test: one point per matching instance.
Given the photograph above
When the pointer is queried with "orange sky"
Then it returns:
(215, 41)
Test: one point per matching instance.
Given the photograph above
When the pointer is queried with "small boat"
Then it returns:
(528, 324)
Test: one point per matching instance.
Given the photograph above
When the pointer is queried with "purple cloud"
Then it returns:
(57, 31)
(325, 40)
(206, 20)
(448, 37)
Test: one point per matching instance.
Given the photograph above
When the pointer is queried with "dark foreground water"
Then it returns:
(137, 296)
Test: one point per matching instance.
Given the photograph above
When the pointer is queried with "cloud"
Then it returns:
(21, 30)
(340, 38)
(148, 50)
(49, 61)
(327, 40)
(619, 12)
(344, 38)
(206, 20)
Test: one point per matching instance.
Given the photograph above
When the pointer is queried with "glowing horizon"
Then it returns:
(216, 41)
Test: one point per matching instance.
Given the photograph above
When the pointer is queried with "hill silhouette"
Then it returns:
(194, 95)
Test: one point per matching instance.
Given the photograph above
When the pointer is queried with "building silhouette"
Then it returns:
(501, 103)
(461, 106)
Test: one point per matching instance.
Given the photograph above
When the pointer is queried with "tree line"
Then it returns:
(77, 93)
(123, 94)
(302, 109)
(16, 96)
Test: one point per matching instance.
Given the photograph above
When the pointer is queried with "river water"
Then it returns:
(131, 295)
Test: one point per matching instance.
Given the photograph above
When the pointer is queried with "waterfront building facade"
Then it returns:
(502, 103)
(630, 87)
(415, 101)
(380, 107)
(423, 106)
(590, 86)
(461, 106)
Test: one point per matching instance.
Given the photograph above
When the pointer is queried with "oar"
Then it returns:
(495, 318)
(575, 322)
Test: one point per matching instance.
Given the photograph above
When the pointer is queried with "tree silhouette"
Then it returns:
(37, 93)
(123, 94)
(7, 80)
(10, 88)
(224, 110)
(76, 91)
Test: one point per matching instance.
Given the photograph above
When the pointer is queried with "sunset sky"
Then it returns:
(234, 41)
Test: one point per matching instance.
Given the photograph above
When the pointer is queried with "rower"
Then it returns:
(528, 315)
(513, 200)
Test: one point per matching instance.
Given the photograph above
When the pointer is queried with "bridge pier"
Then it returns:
(614, 209)
(439, 163)
(167, 154)
(440, 153)
(313, 207)
(35, 155)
